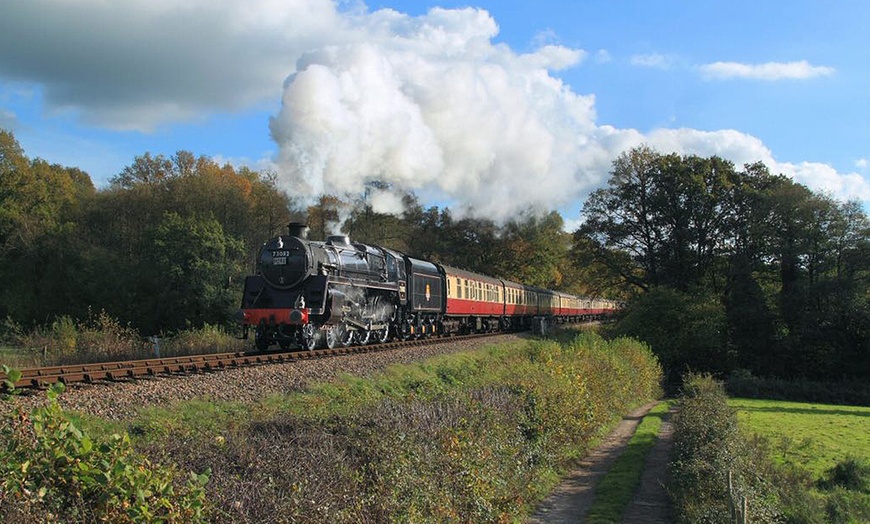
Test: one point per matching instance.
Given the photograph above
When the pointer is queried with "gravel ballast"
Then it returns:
(121, 400)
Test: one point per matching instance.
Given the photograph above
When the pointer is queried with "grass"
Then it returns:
(813, 437)
(18, 358)
(616, 489)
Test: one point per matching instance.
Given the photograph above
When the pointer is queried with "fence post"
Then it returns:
(731, 509)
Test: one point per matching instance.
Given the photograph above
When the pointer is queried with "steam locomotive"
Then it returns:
(331, 293)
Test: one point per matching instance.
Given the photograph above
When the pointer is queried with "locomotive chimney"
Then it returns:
(298, 230)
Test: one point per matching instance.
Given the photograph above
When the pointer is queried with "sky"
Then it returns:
(494, 108)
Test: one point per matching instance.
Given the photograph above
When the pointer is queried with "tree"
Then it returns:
(39, 206)
(787, 266)
(189, 264)
(145, 170)
(668, 213)
(535, 251)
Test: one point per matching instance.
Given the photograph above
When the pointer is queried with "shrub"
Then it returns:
(52, 471)
(851, 474)
(685, 330)
(207, 339)
(98, 338)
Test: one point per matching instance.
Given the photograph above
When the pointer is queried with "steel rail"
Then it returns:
(42, 377)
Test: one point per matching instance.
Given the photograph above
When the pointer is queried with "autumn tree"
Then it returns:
(534, 251)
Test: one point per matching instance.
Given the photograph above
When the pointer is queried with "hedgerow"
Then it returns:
(710, 455)
(709, 447)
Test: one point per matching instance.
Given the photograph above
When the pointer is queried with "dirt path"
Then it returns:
(651, 504)
(570, 501)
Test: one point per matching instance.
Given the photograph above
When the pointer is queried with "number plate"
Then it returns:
(279, 261)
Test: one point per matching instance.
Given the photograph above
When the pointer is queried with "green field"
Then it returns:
(811, 436)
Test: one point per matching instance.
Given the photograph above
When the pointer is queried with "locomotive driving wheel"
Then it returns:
(307, 337)
(382, 335)
(346, 336)
(339, 335)
(331, 337)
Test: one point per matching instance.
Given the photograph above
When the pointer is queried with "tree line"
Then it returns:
(734, 268)
(167, 244)
(720, 268)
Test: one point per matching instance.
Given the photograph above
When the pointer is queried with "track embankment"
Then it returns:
(120, 399)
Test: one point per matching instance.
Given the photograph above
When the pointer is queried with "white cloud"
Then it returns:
(602, 56)
(654, 61)
(862, 163)
(769, 71)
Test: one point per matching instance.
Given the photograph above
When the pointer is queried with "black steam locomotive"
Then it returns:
(333, 293)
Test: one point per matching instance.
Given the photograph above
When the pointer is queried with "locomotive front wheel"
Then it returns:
(261, 340)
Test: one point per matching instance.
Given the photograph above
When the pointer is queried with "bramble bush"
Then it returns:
(51, 471)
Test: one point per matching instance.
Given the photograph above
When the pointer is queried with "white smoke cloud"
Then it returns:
(431, 104)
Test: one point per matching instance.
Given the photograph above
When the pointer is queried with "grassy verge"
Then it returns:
(469, 437)
(101, 338)
(617, 488)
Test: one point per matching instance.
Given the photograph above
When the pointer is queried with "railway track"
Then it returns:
(43, 377)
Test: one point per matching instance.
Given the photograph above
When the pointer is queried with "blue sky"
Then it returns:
(492, 107)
